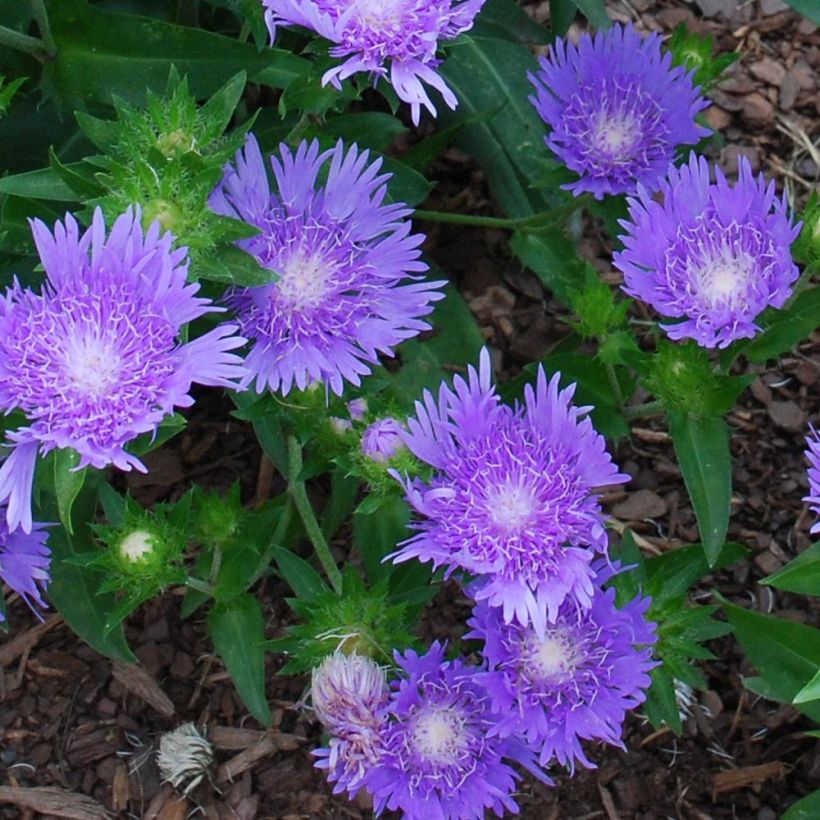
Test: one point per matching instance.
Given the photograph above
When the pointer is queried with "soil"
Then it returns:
(79, 731)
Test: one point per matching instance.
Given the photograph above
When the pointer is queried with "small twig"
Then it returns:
(41, 16)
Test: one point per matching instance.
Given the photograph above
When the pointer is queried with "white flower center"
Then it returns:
(91, 365)
(304, 280)
(511, 506)
(137, 544)
(553, 658)
(724, 280)
(616, 135)
(439, 735)
(378, 15)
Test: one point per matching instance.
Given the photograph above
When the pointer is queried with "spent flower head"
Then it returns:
(395, 39)
(184, 757)
(94, 359)
(711, 254)
(24, 562)
(617, 109)
(439, 758)
(512, 495)
(346, 264)
(575, 682)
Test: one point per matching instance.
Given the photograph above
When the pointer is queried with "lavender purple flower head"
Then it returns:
(813, 456)
(24, 562)
(383, 439)
(512, 499)
(711, 254)
(348, 266)
(94, 359)
(395, 38)
(617, 109)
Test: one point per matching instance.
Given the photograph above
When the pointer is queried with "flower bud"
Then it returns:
(348, 691)
(137, 545)
(383, 439)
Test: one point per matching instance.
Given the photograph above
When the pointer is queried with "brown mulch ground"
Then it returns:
(75, 721)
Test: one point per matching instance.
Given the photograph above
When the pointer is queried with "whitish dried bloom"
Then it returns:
(184, 757)
(617, 108)
(346, 262)
(95, 359)
(713, 255)
(512, 499)
(396, 39)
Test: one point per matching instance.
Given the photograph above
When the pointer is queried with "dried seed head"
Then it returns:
(184, 757)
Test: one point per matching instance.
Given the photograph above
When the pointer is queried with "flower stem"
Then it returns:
(22, 42)
(637, 411)
(199, 585)
(41, 16)
(297, 492)
(612, 376)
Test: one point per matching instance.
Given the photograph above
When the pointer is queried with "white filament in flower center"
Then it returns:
(723, 280)
(616, 135)
(378, 15)
(511, 506)
(439, 735)
(91, 365)
(552, 658)
(304, 280)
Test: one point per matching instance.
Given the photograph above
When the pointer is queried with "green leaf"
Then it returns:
(237, 628)
(811, 691)
(801, 575)
(553, 259)
(506, 20)
(368, 129)
(79, 176)
(809, 807)
(300, 575)
(783, 329)
(233, 266)
(785, 653)
(344, 490)
(68, 481)
(595, 12)
(702, 448)
(376, 533)
(671, 574)
(661, 705)
(44, 183)
(102, 54)
(407, 185)
(562, 15)
(810, 10)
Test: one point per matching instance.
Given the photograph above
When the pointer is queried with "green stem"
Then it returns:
(275, 541)
(638, 411)
(199, 585)
(297, 492)
(612, 376)
(216, 565)
(41, 16)
(22, 42)
(244, 32)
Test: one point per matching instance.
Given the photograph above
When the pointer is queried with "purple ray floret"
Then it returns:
(617, 108)
(439, 760)
(396, 39)
(24, 563)
(813, 455)
(712, 254)
(348, 287)
(576, 682)
(94, 359)
(512, 497)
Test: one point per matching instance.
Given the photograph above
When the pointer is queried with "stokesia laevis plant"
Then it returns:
(384, 38)
(346, 261)
(617, 109)
(512, 497)
(94, 359)
(714, 255)
(575, 682)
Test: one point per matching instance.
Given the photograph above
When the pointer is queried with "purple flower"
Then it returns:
(813, 455)
(340, 254)
(349, 695)
(94, 359)
(617, 109)
(374, 35)
(512, 497)
(439, 760)
(712, 254)
(24, 563)
(575, 682)
(383, 439)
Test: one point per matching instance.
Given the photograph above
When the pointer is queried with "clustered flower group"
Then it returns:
(511, 511)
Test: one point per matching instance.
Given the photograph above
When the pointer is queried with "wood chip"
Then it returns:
(26, 641)
(53, 801)
(608, 802)
(271, 742)
(232, 738)
(746, 776)
(120, 788)
(139, 682)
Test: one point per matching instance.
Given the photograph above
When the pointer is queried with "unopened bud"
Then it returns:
(382, 440)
